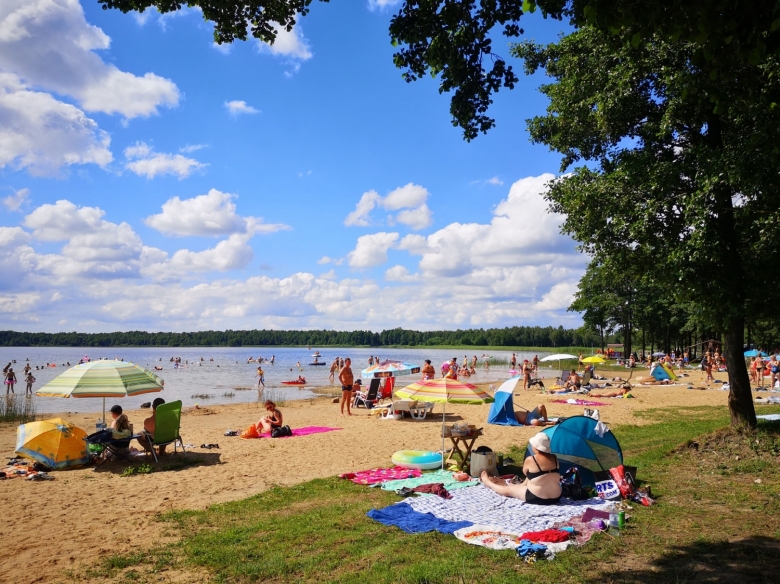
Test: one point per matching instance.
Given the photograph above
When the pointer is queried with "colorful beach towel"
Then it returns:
(488, 536)
(296, 432)
(480, 505)
(380, 475)
(579, 402)
(438, 476)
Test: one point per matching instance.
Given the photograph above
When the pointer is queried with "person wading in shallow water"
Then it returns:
(347, 380)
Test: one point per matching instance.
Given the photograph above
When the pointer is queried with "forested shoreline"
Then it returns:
(519, 336)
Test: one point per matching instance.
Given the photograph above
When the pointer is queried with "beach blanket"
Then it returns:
(488, 536)
(438, 476)
(772, 399)
(380, 475)
(403, 516)
(482, 506)
(578, 402)
(296, 432)
(770, 417)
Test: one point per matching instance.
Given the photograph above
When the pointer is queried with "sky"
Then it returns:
(152, 180)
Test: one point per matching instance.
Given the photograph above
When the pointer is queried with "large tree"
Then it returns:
(681, 168)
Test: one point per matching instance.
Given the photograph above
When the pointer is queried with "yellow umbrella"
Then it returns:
(56, 443)
(594, 359)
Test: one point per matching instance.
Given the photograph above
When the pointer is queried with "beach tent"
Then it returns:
(576, 443)
(662, 372)
(502, 412)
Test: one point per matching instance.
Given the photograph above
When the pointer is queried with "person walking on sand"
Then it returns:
(10, 380)
(260, 378)
(347, 380)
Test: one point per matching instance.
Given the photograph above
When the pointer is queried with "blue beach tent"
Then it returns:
(502, 412)
(575, 442)
(662, 371)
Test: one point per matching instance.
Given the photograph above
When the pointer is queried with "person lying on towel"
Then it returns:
(542, 484)
(619, 393)
(537, 417)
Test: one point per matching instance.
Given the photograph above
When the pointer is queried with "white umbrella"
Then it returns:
(558, 357)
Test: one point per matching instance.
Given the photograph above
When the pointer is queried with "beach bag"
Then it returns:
(250, 432)
(624, 481)
(571, 485)
(281, 432)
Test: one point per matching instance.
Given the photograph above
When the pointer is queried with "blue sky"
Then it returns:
(151, 180)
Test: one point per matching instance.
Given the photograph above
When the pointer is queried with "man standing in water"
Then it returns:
(346, 379)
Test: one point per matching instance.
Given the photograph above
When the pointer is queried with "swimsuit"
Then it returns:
(534, 499)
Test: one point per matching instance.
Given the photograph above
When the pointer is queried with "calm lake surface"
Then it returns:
(225, 371)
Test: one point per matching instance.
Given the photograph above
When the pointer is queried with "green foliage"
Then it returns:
(517, 336)
(137, 470)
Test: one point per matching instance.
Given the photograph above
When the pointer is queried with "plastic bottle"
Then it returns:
(614, 523)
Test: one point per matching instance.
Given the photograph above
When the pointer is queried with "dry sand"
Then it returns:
(86, 514)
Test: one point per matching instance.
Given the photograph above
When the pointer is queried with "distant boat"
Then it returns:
(317, 361)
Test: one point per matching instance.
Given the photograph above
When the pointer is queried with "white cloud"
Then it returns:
(237, 107)
(371, 250)
(411, 197)
(192, 148)
(50, 45)
(291, 45)
(143, 161)
(495, 181)
(41, 134)
(382, 4)
(515, 269)
(14, 202)
(211, 214)
(328, 260)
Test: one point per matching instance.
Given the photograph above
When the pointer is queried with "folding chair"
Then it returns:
(167, 421)
(369, 398)
(111, 448)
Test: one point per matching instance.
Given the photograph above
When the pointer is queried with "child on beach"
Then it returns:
(29, 380)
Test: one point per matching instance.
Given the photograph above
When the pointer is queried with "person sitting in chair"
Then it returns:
(536, 417)
(120, 426)
(271, 421)
(574, 382)
(149, 427)
(542, 484)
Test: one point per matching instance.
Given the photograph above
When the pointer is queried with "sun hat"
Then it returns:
(541, 442)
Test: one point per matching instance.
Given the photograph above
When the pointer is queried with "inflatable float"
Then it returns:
(294, 382)
(419, 459)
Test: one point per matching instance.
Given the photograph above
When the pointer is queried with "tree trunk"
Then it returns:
(741, 407)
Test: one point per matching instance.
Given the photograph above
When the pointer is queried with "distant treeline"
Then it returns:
(518, 336)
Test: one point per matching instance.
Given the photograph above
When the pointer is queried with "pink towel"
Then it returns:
(379, 475)
(303, 431)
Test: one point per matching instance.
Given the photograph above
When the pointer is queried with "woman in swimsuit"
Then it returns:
(542, 484)
(271, 421)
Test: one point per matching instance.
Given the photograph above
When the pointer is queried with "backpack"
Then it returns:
(281, 432)
(571, 485)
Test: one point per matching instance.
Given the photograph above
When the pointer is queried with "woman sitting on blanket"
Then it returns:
(537, 417)
(273, 420)
(542, 484)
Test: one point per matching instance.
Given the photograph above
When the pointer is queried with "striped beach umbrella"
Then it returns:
(102, 379)
(389, 368)
(444, 390)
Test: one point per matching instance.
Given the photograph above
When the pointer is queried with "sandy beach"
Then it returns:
(86, 514)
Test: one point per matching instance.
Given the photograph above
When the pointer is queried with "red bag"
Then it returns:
(624, 481)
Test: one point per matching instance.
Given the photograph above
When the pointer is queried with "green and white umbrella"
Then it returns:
(103, 379)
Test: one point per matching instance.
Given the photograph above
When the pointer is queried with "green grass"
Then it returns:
(704, 478)
(17, 409)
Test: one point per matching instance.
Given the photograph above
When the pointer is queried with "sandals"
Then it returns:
(209, 446)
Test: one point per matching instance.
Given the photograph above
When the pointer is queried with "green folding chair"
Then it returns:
(167, 421)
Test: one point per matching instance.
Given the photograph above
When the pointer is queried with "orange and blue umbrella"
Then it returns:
(56, 443)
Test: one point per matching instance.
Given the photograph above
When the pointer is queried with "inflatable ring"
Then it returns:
(419, 459)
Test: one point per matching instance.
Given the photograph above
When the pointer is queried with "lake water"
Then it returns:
(225, 371)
